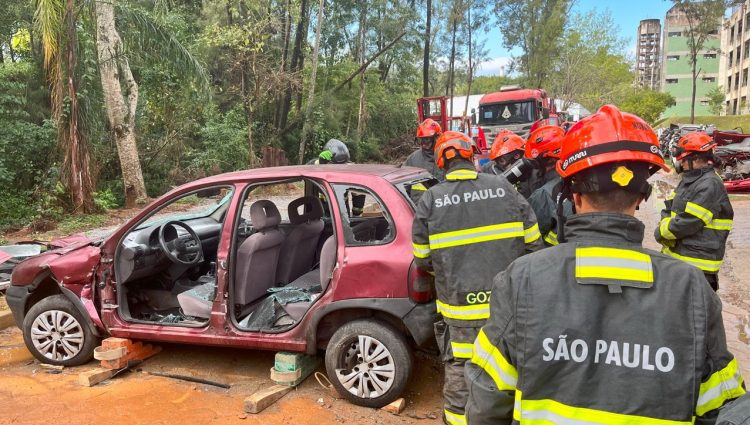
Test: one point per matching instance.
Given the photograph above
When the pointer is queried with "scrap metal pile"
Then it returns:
(733, 149)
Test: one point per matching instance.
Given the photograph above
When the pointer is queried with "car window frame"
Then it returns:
(349, 240)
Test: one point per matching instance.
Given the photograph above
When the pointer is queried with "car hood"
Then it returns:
(73, 263)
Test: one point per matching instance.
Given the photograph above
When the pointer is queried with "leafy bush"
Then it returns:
(105, 200)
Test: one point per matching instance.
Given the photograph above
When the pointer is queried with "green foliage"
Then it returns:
(487, 84)
(79, 223)
(106, 200)
(223, 146)
(647, 104)
(716, 100)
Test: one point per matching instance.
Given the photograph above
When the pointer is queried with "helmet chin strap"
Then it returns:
(565, 193)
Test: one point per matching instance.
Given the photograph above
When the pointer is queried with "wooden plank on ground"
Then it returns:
(93, 377)
(257, 402)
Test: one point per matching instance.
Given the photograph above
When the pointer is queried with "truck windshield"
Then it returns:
(507, 113)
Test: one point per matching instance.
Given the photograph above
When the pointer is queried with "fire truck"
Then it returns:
(514, 108)
(435, 107)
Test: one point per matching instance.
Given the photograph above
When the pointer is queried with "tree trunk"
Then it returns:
(11, 52)
(452, 65)
(313, 75)
(295, 64)
(2, 57)
(113, 65)
(426, 58)
(361, 60)
(692, 96)
(301, 54)
(284, 61)
(471, 69)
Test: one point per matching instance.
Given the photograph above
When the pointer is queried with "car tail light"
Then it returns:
(421, 285)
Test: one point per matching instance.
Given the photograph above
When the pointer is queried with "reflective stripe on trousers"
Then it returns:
(710, 266)
(421, 250)
(613, 263)
(462, 350)
(723, 385)
(454, 418)
(552, 412)
(463, 312)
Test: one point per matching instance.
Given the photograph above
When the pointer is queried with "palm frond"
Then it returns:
(143, 36)
(48, 20)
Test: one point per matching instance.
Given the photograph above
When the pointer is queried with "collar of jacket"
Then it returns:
(613, 228)
(693, 175)
(550, 175)
(461, 170)
(428, 155)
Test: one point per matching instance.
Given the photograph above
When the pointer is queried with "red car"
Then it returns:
(297, 258)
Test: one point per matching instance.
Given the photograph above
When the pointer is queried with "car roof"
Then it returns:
(392, 173)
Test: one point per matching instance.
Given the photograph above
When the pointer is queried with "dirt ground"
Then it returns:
(30, 394)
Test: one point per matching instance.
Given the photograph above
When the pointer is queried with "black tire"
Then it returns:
(76, 333)
(344, 345)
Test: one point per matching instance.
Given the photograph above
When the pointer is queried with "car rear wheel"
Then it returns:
(56, 333)
(369, 363)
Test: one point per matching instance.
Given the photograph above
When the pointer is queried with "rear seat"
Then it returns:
(321, 276)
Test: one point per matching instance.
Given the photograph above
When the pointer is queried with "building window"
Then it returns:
(709, 79)
(674, 34)
(729, 84)
(713, 32)
(673, 57)
(672, 80)
(744, 77)
(709, 56)
(704, 103)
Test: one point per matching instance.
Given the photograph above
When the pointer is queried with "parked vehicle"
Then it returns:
(515, 109)
(272, 259)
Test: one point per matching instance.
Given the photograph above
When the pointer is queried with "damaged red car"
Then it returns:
(301, 259)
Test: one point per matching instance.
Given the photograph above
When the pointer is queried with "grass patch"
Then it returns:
(81, 223)
(722, 123)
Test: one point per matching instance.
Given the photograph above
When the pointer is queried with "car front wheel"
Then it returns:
(55, 333)
(369, 363)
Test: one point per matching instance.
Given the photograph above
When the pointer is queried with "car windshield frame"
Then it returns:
(182, 216)
(499, 108)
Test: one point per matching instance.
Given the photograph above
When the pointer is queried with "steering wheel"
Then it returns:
(185, 249)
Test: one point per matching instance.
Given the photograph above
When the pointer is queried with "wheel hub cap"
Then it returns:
(57, 335)
(368, 369)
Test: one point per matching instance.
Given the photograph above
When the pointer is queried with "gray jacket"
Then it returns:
(601, 330)
(466, 230)
(420, 159)
(544, 203)
(695, 224)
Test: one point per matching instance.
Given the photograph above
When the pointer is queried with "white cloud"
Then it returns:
(494, 66)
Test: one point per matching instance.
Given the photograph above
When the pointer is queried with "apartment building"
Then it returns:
(648, 49)
(735, 60)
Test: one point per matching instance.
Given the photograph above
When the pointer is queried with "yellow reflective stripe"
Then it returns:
(462, 175)
(462, 350)
(613, 263)
(664, 229)
(703, 264)
(553, 412)
(671, 195)
(454, 418)
(476, 235)
(723, 385)
(720, 224)
(531, 234)
(464, 312)
(698, 211)
(420, 250)
(491, 360)
(551, 238)
(418, 186)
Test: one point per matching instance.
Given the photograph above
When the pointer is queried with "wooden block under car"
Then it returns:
(111, 347)
(396, 406)
(257, 402)
(291, 369)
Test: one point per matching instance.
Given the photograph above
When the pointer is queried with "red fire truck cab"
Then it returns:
(513, 108)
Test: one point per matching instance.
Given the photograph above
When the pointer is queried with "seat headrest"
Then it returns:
(264, 215)
(312, 209)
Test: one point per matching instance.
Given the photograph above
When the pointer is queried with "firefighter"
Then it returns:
(424, 157)
(599, 330)
(698, 216)
(336, 152)
(543, 146)
(467, 229)
(506, 150)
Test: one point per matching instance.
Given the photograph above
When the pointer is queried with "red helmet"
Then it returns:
(545, 142)
(691, 143)
(506, 142)
(452, 144)
(605, 137)
(429, 128)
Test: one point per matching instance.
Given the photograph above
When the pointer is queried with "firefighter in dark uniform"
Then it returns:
(424, 157)
(465, 231)
(599, 330)
(505, 151)
(698, 216)
(336, 152)
(543, 146)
